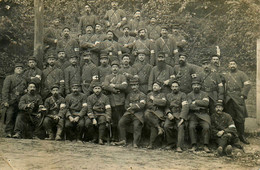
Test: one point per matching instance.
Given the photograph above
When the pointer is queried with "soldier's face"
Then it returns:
(206, 66)
(31, 88)
(98, 28)
(61, 55)
(18, 70)
(126, 60)
(115, 68)
(75, 89)
(134, 87)
(97, 90)
(196, 87)
(73, 61)
(51, 61)
(55, 92)
(182, 60)
(31, 63)
(126, 31)
(56, 22)
(156, 87)
(141, 57)
(114, 4)
(138, 15)
(142, 33)
(219, 109)
(232, 66)
(110, 35)
(175, 87)
(89, 29)
(164, 32)
(153, 21)
(66, 32)
(161, 59)
(215, 61)
(87, 9)
(104, 61)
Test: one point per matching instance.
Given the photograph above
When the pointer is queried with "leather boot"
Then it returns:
(58, 134)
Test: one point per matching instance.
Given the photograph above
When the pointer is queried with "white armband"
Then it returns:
(206, 99)
(84, 105)
(184, 103)
(108, 106)
(247, 82)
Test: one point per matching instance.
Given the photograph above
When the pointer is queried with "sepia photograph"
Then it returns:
(129, 84)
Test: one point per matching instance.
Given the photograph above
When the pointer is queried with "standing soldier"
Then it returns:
(89, 73)
(168, 45)
(51, 35)
(62, 61)
(153, 30)
(13, 88)
(76, 110)
(72, 74)
(104, 69)
(154, 114)
(198, 115)
(162, 73)
(115, 18)
(237, 88)
(177, 34)
(134, 105)
(115, 84)
(142, 69)
(52, 75)
(224, 130)
(99, 112)
(87, 19)
(136, 23)
(31, 107)
(212, 84)
(177, 113)
(54, 118)
(126, 41)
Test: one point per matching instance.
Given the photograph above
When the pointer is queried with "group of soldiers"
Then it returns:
(99, 88)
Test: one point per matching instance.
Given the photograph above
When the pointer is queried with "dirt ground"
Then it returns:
(28, 154)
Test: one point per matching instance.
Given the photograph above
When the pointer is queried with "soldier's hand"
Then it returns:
(94, 122)
(220, 133)
(71, 119)
(242, 97)
(220, 101)
(194, 102)
(55, 41)
(118, 25)
(170, 116)
(151, 97)
(229, 134)
(56, 117)
(6, 104)
(112, 85)
(180, 122)
(76, 119)
(38, 115)
(166, 82)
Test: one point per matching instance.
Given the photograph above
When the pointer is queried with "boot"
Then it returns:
(122, 142)
(17, 136)
(206, 149)
(220, 150)
(228, 150)
(51, 135)
(100, 142)
(179, 149)
(58, 134)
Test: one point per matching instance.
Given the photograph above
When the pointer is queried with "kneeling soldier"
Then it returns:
(224, 130)
(134, 105)
(76, 109)
(99, 112)
(177, 112)
(56, 109)
(154, 115)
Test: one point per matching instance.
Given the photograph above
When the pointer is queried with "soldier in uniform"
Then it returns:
(13, 88)
(136, 23)
(87, 19)
(69, 44)
(127, 41)
(52, 75)
(54, 118)
(62, 61)
(72, 74)
(142, 69)
(177, 34)
(177, 112)
(99, 113)
(33, 73)
(153, 30)
(237, 87)
(115, 18)
(76, 110)
(51, 36)
(212, 84)
(162, 73)
(89, 73)
(223, 130)
(168, 45)
(31, 110)
(134, 105)
(143, 43)
(154, 114)
(198, 115)
(104, 69)
(116, 84)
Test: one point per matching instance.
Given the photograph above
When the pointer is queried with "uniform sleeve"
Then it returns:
(84, 107)
(67, 80)
(213, 127)
(80, 26)
(220, 87)
(6, 89)
(22, 103)
(185, 107)
(246, 84)
(141, 104)
(67, 101)
(123, 84)
(108, 107)
(160, 101)
(151, 80)
(107, 85)
(231, 128)
(204, 102)
(47, 105)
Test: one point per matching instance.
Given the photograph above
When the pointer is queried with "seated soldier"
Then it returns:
(76, 110)
(54, 119)
(134, 105)
(224, 130)
(154, 115)
(99, 113)
(31, 108)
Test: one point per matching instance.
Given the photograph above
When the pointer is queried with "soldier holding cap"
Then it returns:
(54, 118)
(134, 105)
(198, 114)
(223, 130)
(238, 86)
(13, 88)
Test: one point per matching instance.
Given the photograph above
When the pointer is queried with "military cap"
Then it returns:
(89, 25)
(75, 85)
(19, 65)
(196, 80)
(109, 30)
(164, 27)
(161, 54)
(205, 60)
(60, 50)
(32, 82)
(51, 56)
(66, 27)
(176, 81)
(103, 54)
(32, 58)
(219, 104)
(96, 84)
(142, 51)
(86, 53)
(73, 56)
(115, 63)
(184, 54)
(99, 23)
(125, 55)
(126, 26)
(55, 86)
(233, 60)
(159, 83)
(141, 29)
(134, 80)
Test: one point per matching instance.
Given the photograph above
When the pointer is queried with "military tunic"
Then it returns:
(148, 45)
(86, 20)
(70, 45)
(103, 72)
(72, 76)
(33, 74)
(153, 32)
(89, 73)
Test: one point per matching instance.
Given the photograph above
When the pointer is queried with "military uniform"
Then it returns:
(13, 88)
(130, 73)
(89, 73)
(147, 45)
(86, 20)
(113, 49)
(62, 64)
(103, 72)
(177, 105)
(153, 32)
(70, 45)
(72, 76)
(33, 74)
(126, 41)
(135, 24)
(50, 36)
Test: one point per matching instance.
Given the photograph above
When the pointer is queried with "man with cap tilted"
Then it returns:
(223, 130)
(51, 76)
(115, 84)
(177, 112)
(142, 69)
(99, 113)
(89, 73)
(13, 88)
(238, 86)
(134, 105)
(55, 112)
(72, 74)
(154, 114)
(76, 104)
(168, 45)
(87, 19)
(198, 115)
